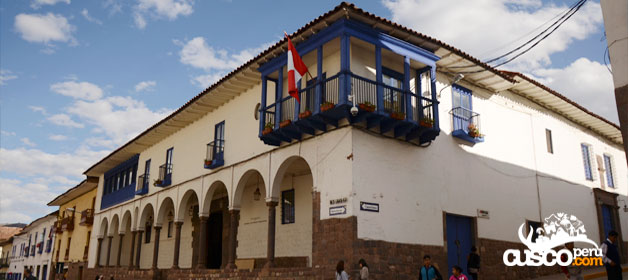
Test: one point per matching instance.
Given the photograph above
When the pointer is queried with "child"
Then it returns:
(458, 275)
(427, 271)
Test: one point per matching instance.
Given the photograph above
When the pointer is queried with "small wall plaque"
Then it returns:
(337, 210)
(483, 214)
(369, 206)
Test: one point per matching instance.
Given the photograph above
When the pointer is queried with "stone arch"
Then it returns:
(215, 187)
(190, 197)
(104, 225)
(127, 222)
(114, 225)
(148, 214)
(243, 181)
(166, 206)
(294, 164)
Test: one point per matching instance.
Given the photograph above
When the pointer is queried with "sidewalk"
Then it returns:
(597, 273)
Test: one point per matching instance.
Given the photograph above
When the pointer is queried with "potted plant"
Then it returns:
(326, 106)
(268, 128)
(158, 182)
(367, 106)
(474, 131)
(305, 114)
(285, 123)
(398, 115)
(426, 122)
(208, 162)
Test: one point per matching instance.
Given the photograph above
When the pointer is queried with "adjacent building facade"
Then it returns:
(381, 158)
(32, 249)
(6, 246)
(73, 229)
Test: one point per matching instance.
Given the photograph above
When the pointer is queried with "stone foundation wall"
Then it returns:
(73, 271)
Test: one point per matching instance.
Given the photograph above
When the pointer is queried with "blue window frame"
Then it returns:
(393, 95)
(287, 207)
(586, 159)
(169, 159)
(216, 149)
(119, 183)
(609, 171)
(462, 106)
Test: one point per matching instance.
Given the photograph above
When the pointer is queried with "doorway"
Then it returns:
(214, 240)
(459, 241)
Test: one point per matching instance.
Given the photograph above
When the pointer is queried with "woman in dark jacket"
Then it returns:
(473, 263)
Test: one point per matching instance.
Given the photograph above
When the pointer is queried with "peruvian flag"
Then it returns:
(296, 70)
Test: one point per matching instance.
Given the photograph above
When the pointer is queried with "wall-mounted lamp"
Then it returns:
(625, 206)
(257, 194)
(457, 78)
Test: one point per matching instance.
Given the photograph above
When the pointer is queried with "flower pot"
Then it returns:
(267, 131)
(305, 114)
(158, 182)
(208, 162)
(474, 134)
(327, 107)
(285, 123)
(398, 116)
(427, 124)
(366, 107)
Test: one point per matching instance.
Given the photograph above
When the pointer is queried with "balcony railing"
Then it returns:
(215, 154)
(165, 175)
(57, 227)
(67, 223)
(87, 217)
(466, 125)
(40, 247)
(381, 107)
(142, 184)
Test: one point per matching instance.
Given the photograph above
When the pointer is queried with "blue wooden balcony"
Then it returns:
(466, 125)
(381, 108)
(165, 176)
(215, 156)
(142, 184)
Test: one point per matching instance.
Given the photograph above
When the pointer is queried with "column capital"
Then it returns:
(178, 223)
(272, 203)
(157, 227)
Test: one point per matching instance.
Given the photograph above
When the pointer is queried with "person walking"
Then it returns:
(364, 270)
(473, 263)
(457, 274)
(610, 257)
(28, 275)
(340, 271)
(427, 271)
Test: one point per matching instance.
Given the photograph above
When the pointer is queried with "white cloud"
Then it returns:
(479, 27)
(27, 200)
(7, 133)
(57, 137)
(27, 142)
(38, 109)
(216, 62)
(89, 18)
(39, 28)
(145, 86)
(34, 162)
(36, 4)
(6, 75)
(586, 82)
(113, 5)
(169, 9)
(64, 120)
(78, 90)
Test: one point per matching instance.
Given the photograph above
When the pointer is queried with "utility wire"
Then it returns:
(543, 35)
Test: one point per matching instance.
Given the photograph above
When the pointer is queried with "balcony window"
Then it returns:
(165, 171)
(87, 217)
(215, 156)
(465, 122)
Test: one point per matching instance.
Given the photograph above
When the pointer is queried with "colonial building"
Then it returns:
(6, 246)
(381, 158)
(74, 229)
(32, 249)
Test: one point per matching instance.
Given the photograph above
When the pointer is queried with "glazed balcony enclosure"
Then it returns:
(389, 81)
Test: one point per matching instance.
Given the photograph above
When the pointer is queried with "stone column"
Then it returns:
(140, 234)
(133, 234)
(98, 247)
(233, 237)
(109, 238)
(119, 249)
(202, 244)
(270, 251)
(156, 247)
(177, 244)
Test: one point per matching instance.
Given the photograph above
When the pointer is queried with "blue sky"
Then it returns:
(80, 78)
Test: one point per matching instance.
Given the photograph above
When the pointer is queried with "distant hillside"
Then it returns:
(17, 225)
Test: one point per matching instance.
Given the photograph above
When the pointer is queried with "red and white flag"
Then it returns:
(296, 70)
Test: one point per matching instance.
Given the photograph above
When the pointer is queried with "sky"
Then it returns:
(80, 78)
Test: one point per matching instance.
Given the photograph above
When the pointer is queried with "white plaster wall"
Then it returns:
(39, 259)
(253, 227)
(296, 239)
